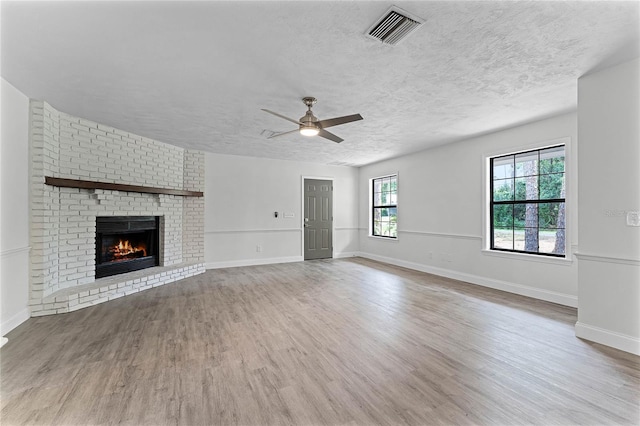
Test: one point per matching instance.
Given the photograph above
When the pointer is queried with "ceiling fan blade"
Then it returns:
(282, 116)
(330, 136)
(339, 120)
(283, 133)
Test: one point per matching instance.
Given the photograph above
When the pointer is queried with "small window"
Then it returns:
(527, 207)
(384, 207)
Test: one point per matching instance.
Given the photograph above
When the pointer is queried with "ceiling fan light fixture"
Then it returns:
(309, 131)
(309, 125)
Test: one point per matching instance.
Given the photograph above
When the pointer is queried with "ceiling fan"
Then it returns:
(311, 126)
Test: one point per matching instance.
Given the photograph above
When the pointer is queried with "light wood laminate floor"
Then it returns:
(347, 341)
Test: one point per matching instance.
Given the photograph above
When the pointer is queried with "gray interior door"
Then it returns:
(318, 219)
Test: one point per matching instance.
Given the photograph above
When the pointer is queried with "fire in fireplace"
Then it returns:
(124, 250)
(125, 244)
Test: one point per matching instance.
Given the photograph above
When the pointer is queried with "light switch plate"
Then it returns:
(633, 218)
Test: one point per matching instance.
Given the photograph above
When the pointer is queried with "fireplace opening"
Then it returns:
(125, 244)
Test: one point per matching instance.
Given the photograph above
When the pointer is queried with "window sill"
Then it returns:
(564, 261)
(375, 237)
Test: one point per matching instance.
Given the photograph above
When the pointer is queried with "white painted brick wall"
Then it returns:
(93, 151)
(63, 220)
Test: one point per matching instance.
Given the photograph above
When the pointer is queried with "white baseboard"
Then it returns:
(252, 262)
(14, 321)
(616, 340)
(272, 260)
(3, 341)
(344, 254)
(536, 293)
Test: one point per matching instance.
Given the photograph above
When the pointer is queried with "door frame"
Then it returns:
(333, 223)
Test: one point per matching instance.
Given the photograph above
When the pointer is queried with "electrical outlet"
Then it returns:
(259, 249)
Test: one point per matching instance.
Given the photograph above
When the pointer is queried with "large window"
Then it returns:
(527, 208)
(384, 207)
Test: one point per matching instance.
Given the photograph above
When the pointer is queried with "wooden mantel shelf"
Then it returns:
(87, 184)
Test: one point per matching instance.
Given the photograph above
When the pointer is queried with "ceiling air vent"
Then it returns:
(394, 26)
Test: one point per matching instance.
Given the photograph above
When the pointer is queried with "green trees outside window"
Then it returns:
(385, 207)
(528, 202)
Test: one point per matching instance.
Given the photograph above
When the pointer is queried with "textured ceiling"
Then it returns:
(196, 74)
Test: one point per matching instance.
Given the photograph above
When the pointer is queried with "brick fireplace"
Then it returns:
(106, 174)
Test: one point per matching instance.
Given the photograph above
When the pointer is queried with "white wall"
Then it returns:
(609, 253)
(441, 207)
(241, 196)
(14, 208)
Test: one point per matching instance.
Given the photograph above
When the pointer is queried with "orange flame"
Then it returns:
(124, 249)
